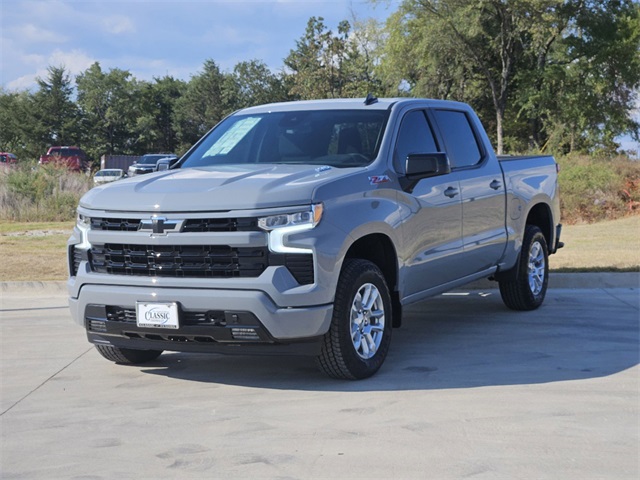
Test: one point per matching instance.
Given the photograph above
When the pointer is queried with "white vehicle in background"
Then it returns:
(108, 175)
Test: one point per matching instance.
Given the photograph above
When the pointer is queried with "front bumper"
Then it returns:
(228, 318)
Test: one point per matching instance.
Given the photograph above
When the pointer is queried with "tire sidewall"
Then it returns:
(534, 234)
(359, 366)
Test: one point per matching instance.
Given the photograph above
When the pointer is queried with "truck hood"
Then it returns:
(219, 188)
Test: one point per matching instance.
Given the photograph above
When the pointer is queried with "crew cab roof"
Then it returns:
(350, 104)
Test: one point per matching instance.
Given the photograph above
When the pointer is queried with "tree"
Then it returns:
(17, 124)
(110, 105)
(325, 65)
(581, 95)
(252, 83)
(57, 118)
(567, 68)
(154, 125)
(201, 107)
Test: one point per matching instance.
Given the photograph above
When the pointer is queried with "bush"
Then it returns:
(594, 189)
(42, 194)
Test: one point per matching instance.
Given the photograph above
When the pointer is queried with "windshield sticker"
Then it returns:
(378, 179)
(324, 168)
(232, 137)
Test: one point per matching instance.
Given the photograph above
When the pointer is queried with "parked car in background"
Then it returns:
(108, 175)
(74, 158)
(7, 158)
(166, 163)
(149, 163)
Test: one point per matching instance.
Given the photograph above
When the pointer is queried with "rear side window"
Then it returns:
(415, 136)
(459, 139)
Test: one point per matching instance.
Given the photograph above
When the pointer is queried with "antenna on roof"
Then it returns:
(370, 100)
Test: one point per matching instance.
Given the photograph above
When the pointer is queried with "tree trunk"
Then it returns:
(499, 131)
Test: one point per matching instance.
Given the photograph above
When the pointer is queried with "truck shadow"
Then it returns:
(458, 341)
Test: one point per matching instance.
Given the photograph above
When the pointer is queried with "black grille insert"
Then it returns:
(116, 224)
(221, 225)
(217, 261)
(249, 224)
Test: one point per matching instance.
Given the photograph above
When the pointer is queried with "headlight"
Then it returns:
(283, 225)
(310, 217)
(84, 225)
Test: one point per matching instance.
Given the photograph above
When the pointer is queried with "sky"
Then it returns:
(154, 38)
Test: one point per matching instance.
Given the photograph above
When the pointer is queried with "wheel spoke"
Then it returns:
(370, 343)
(373, 296)
(365, 347)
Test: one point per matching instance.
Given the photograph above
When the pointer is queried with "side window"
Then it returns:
(415, 136)
(459, 138)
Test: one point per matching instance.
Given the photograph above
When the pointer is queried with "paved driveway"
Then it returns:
(470, 390)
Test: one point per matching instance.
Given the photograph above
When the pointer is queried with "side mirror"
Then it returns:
(423, 165)
(419, 165)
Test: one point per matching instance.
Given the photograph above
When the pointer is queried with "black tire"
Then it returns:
(127, 356)
(340, 357)
(528, 289)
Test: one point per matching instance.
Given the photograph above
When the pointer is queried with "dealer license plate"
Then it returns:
(157, 315)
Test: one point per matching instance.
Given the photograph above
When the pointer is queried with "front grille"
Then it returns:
(215, 261)
(249, 224)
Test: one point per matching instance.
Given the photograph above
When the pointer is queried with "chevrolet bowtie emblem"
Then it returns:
(157, 225)
(160, 225)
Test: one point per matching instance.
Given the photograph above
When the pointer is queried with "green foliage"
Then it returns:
(325, 65)
(154, 125)
(544, 75)
(109, 102)
(201, 106)
(57, 118)
(252, 83)
(48, 193)
(555, 75)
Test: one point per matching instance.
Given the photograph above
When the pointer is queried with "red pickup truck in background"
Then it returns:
(73, 158)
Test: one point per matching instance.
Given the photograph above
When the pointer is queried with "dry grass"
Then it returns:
(37, 251)
(605, 246)
(34, 251)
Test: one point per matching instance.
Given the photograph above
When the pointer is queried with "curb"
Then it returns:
(556, 280)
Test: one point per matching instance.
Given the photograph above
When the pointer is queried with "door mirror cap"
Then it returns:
(425, 165)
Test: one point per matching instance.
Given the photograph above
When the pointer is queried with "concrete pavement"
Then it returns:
(470, 389)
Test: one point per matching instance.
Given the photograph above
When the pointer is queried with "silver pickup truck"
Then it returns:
(305, 227)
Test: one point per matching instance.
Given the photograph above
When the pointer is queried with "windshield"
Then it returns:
(339, 138)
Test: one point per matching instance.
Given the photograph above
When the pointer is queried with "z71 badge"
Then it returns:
(378, 179)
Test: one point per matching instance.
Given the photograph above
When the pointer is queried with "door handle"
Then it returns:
(451, 192)
(495, 185)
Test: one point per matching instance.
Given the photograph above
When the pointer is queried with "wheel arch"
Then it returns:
(540, 215)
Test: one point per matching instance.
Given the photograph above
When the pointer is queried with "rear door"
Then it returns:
(482, 190)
